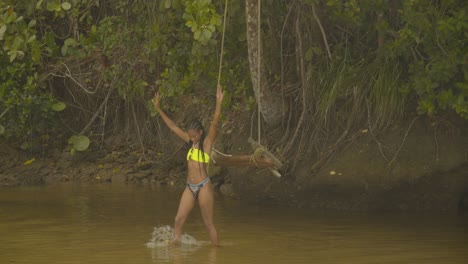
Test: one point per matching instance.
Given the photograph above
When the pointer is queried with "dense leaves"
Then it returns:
(74, 56)
(433, 43)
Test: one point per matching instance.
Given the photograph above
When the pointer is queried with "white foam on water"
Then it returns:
(163, 235)
(160, 244)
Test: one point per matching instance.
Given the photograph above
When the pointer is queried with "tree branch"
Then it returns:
(4, 112)
(99, 109)
(322, 30)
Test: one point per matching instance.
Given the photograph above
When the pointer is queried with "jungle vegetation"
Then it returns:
(87, 69)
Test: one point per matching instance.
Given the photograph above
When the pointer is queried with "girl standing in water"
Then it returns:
(198, 187)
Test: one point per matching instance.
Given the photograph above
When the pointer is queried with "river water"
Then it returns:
(75, 223)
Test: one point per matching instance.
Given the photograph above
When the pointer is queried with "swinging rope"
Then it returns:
(219, 70)
(258, 66)
(260, 151)
(222, 43)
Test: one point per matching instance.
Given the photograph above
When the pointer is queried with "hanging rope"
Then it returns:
(258, 67)
(222, 43)
(219, 71)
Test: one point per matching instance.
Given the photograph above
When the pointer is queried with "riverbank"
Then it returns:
(405, 170)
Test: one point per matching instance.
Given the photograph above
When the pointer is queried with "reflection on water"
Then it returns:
(75, 223)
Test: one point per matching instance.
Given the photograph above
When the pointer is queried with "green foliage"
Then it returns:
(22, 99)
(17, 35)
(202, 19)
(189, 57)
(146, 43)
(56, 6)
(59, 106)
(432, 41)
(78, 143)
(29, 104)
(426, 39)
(241, 97)
(26, 41)
(135, 45)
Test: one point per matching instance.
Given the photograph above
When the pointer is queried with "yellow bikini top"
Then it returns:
(198, 155)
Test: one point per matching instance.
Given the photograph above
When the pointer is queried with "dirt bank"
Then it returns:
(416, 167)
(408, 169)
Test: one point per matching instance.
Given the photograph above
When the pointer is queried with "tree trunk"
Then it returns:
(270, 105)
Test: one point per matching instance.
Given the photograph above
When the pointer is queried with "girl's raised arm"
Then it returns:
(172, 126)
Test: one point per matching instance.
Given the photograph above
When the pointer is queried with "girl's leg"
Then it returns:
(187, 202)
(206, 202)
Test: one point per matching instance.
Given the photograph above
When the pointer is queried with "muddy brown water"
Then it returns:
(75, 223)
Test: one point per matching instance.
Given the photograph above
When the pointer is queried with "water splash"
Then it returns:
(162, 250)
(163, 235)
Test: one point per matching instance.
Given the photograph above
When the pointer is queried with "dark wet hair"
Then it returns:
(197, 125)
